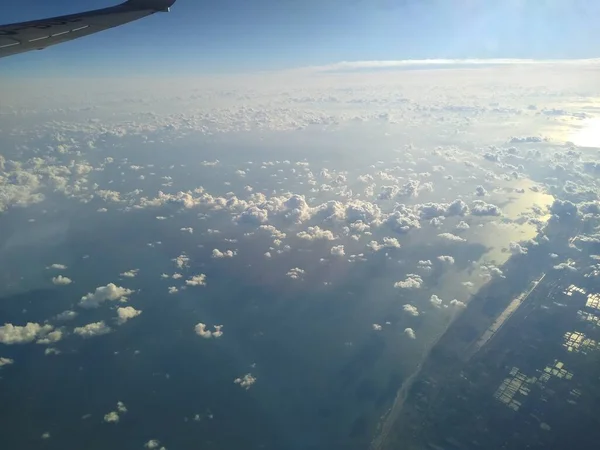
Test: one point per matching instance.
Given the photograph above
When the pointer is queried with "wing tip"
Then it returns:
(154, 5)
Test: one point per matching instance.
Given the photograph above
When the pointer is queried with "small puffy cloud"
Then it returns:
(481, 208)
(121, 407)
(315, 233)
(112, 417)
(457, 303)
(480, 191)
(66, 315)
(126, 313)
(50, 338)
(51, 351)
(517, 249)
(110, 292)
(377, 327)
(461, 226)
(181, 261)
(6, 362)
(246, 381)
(451, 237)
(176, 276)
(202, 331)
(388, 242)
(92, 329)
(216, 253)
(187, 230)
(410, 333)
(412, 281)
(173, 290)
(196, 280)
(295, 273)
(57, 267)
(61, 281)
(338, 250)
(435, 301)
(153, 444)
(561, 266)
(130, 273)
(46, 435)
(13, 334)
(446, 259)
(410, 310)
(491, 271)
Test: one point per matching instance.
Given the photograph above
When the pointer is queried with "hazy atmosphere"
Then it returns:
(232, 256)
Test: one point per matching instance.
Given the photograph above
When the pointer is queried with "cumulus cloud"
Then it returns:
(202, 331)
(246, 381)
(451, 237)
(411, 310)
(315, 233)
(181, 261)
(388, 242)
(461, 226)
(457, 303)
(480, 191)
(57, 267)
(196, 280)
(562, 266)
(295, 273)
(173, 290)
(189, 230)
(412, 281)
(517, 249)
(435, 301)
(126, 313)
(491, 271)
(110, 292)
(481, 208)
(410, 333)
(92, 330)
(111, 417)
(61, 281)
(14, 334)
(216, 253)
(377, 327)
(153, 444)
(50, 338)
(6, 362)
(66, 315)
(338, 250)
(446, 259)
(130, 273)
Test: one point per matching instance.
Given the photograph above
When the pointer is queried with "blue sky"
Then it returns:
(201, 36)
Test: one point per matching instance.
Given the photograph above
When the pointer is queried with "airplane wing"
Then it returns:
(39, 34)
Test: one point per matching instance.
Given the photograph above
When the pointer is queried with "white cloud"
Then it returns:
(187, 230)
(377, 327)
(112, 417)
(412, 281)
(196, 280)
(110, 292)
(153, 444)
(295, 273)
(57, 267)
(246, 381)
(517, 249)
(451, 237)
(92, 329)
(181, 261)
(435, 301)
(61, 281)
(411, 310)
(316, 232)
(173, 290)
(458, 303)
(481, 208)
(216, 253)
(50, 338)
(176, 276)
(388, 242)
(126, 313)
(11, 334)
(461, 226)
(410, 333)
(121, 407)
(6, 361)
(446, 259)
(130, 273)
(337, 250)
(201, 331)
